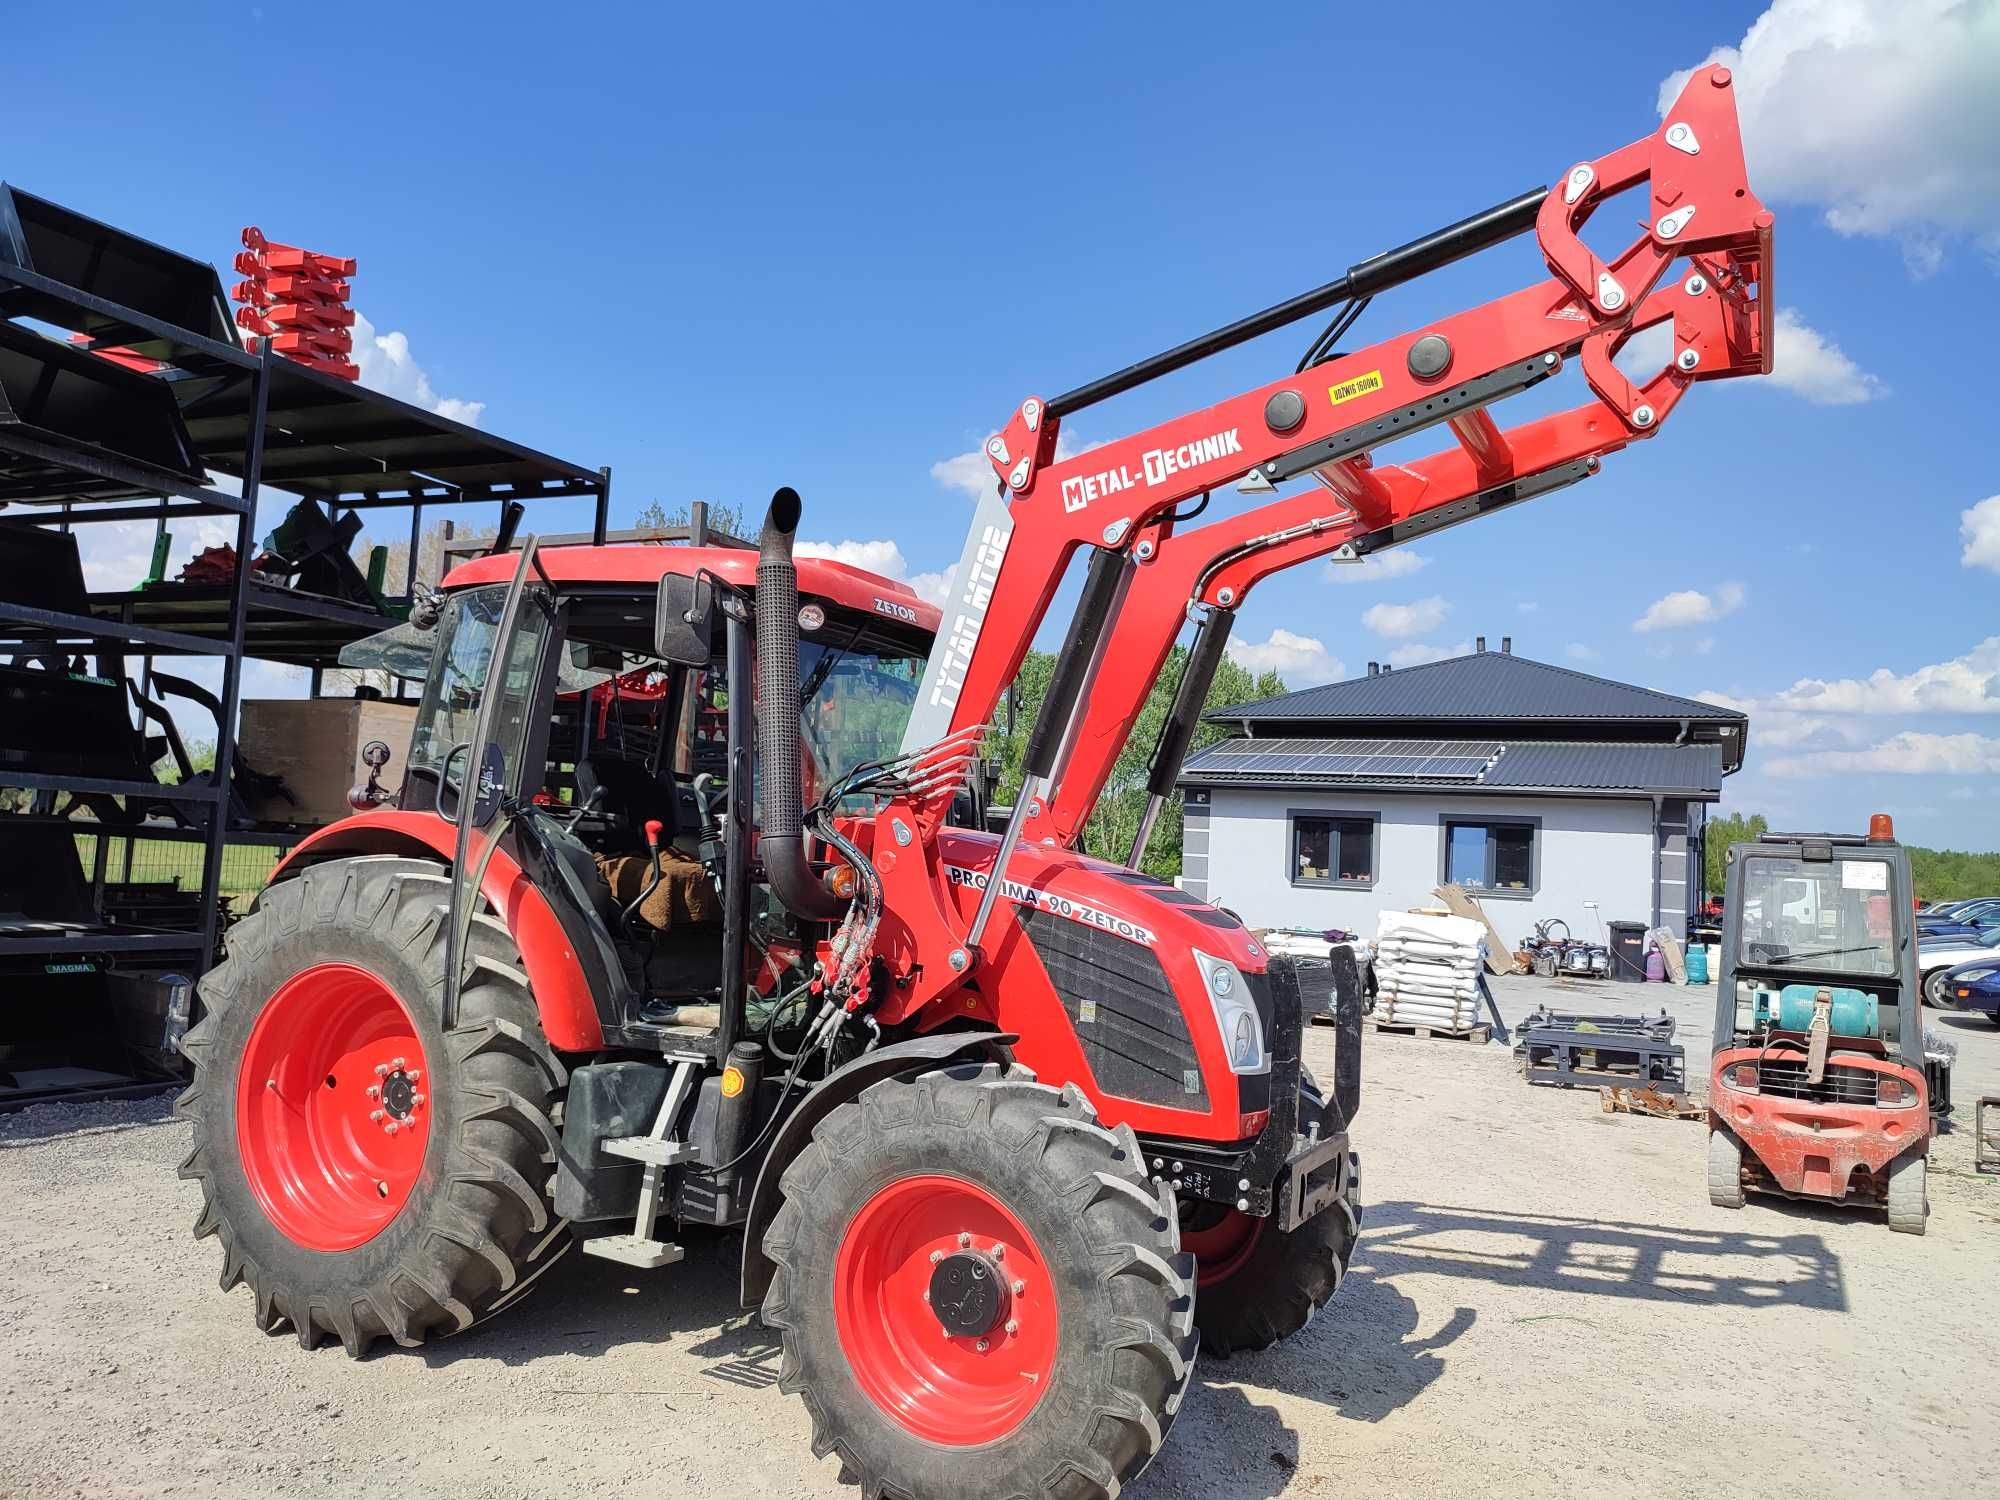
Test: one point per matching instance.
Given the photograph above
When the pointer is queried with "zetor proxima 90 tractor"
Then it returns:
(1818, 1087)
(1007, 1130)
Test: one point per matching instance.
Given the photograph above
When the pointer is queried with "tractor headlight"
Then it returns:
(1235, 1014)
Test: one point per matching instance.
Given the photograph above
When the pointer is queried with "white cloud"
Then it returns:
(1980, 526)
(1968, 684)
(885, 558)
(1400, 621)
(1912, 753)
(1883, 115)
(971, 473)
(1528, 606)
(386, 366)
(1804, 361)
(1417, 653)
(1577, 651)
(1776, 728)
(1691, 607)
(1808, 364)
(1378, 567)
(1299, 659)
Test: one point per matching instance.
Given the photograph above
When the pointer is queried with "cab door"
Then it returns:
(483, 779)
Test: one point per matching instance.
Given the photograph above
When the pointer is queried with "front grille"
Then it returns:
(1126, 1014)
(1786, 1078)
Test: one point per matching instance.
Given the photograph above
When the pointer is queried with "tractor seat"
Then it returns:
(630, 794)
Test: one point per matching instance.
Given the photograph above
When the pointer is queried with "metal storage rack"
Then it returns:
(187, 423)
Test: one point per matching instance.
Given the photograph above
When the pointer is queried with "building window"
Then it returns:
(1333, 849)
(1493, 858)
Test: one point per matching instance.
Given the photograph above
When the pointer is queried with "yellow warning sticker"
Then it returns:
(1360, 385)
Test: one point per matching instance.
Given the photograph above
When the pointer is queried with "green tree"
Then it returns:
(1721, 833)
(1938, 874)
(1114, 822)
(722, 517)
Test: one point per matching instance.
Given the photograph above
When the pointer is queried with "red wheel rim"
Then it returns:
(331, 1111)
(1221, 1248)
(944, 1388)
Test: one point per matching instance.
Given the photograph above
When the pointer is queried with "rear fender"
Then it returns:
(923, 1054)
(561, 990)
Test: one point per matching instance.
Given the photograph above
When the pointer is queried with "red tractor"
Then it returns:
(682, 916)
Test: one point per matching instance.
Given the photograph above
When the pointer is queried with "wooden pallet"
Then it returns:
(1481, 1033)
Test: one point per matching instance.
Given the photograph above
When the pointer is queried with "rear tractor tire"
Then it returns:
(368, 1173)
(1259, 1285)
(1909, 1193)
(1725, 1169)
(978, 1289)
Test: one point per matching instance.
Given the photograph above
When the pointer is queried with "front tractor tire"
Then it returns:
(978, 1289)
(369, 1174)
(1259, 1285)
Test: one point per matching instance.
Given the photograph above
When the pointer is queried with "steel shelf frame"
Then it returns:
(258, 419)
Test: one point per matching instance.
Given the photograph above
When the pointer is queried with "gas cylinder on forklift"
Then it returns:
(1817, 1084)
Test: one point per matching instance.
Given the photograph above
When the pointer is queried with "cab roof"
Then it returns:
(645, 565)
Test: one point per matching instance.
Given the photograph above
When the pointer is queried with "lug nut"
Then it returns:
(964, 1241)
(999, 1251)
(397, 1065)
(416, 1075)
(391, 1128)
(1020, 1287)
(983, 1345)
(1013, 1327)
(416, 1101)
(936, 1256)
(374, 1091)
(376, 1115)
(381, 1070)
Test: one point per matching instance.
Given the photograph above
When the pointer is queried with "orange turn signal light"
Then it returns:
(842, 882)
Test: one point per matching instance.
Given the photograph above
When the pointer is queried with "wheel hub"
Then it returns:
(332, 1123)
(968, 1295)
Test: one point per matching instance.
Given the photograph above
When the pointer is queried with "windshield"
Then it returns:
(448, 715)
(854, 702)
(1828, 916)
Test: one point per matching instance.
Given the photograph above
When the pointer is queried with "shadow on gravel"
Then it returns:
(42, 1122)
(587, 1306)
(1605, 1259)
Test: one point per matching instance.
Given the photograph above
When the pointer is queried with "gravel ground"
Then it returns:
(1543, 1302)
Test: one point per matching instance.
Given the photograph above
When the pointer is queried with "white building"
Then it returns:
(1536, 787)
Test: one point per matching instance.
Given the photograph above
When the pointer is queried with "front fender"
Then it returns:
(923, 1054)
(562, 993)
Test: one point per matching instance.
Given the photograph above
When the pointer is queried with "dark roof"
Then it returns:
(1572, 767)
(1488, 686)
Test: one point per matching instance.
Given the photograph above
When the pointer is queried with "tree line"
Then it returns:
(1940, 874)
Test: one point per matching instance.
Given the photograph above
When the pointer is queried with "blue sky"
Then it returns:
(834, 246)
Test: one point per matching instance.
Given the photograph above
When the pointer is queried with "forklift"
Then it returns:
(1819, 1088)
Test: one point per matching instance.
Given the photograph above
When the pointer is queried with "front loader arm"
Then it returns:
(1325, 421)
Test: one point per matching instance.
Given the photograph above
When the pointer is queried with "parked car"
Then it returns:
(1960, 918)
(1976, 986)
(1938, 956)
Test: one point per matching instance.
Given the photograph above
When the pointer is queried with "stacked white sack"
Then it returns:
(1427, 970)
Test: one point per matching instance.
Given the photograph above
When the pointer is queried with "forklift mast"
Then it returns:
(1129, 501)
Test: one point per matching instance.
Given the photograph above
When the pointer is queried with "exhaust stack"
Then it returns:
(781, 842)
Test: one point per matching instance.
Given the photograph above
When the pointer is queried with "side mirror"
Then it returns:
(684, 623)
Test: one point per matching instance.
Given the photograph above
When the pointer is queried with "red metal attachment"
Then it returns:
(332, 1115)
(955, 1375)
(296, 301)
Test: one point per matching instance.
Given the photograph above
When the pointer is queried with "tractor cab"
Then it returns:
(607, 757)
(1818, 1085)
